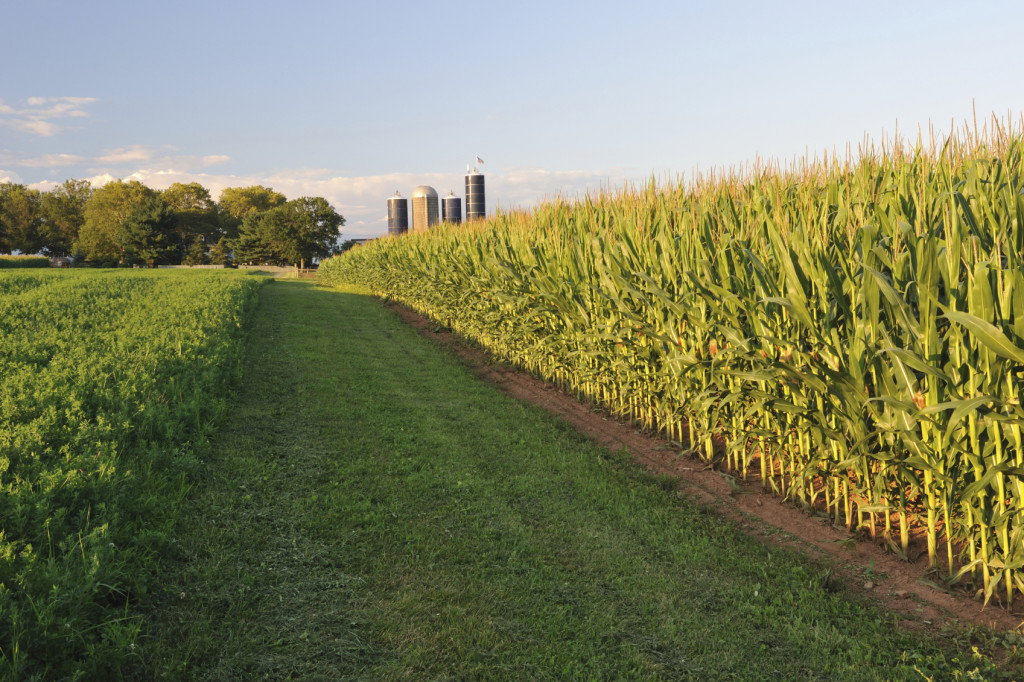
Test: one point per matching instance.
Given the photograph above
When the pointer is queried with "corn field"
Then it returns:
(849, 332)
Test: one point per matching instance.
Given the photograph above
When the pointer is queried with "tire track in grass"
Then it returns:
(257, 596)
(371, 510)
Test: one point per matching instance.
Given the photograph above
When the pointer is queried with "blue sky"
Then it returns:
(354, 100)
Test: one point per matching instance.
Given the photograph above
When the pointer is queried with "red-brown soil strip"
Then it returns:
(900, 586)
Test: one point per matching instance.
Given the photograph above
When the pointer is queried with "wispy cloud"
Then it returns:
(51, 161)
(40, 128)
(39, 115)
(134, 154)
(120, 162)
(156, 159)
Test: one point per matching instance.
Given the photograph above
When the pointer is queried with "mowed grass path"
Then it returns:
(372, 511)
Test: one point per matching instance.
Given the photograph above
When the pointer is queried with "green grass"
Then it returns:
(372, 511)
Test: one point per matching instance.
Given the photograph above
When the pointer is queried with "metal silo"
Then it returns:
(476, 208)
(451, 208)
(398, 215)
(424, 207)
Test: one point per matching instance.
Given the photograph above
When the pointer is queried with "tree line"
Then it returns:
(127, 223)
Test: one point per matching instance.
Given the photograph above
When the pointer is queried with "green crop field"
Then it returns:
(107, 378)
(10, 262)
(205, 477)
(849, 332)
(338, 498)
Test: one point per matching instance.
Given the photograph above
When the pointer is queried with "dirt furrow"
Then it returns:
(901, 586)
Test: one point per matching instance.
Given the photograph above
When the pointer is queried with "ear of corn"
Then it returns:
(851, 333)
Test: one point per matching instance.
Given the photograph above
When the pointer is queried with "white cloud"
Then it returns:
(43, 185)
(131, 154)
(102, 179)
(9, 176)
(120, 162)
(58, 105)
(37, 117)
(51, 160)
(157, 160)
(40, 128)
(214, 160)
(528, 186)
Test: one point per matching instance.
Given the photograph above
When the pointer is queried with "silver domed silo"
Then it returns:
(476, 207)
(424, 207)
(398, 215)
(451, 208)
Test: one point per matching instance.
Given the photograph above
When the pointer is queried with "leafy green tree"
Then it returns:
(105, 211)
(19, 218)
(220, 253)
(316, 228)
(194, 211)
(147, 234)
(196, 254)
(256, 237)
(238, 203)
(292, 233)
(347, 245)
(63, 214)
